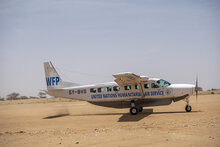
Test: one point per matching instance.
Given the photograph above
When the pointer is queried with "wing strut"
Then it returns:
(141, 90)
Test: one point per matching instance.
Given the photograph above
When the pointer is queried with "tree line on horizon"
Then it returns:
(16, 96)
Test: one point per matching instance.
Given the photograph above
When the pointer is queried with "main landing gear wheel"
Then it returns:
(188, 108)
(133, 110)
(140, 109)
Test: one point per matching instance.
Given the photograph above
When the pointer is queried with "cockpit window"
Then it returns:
(163, 83)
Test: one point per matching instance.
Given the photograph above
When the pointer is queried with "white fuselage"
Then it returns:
(127, 90)
(109, 92)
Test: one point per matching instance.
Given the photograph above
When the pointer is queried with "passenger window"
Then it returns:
(146, 86)
(84, 90)
(93, 90)
(71, 91)
(128, 87)
(116, 88)
(108, 89)
(78, 91)
(100, 89)
(136, 87)
(153, 85)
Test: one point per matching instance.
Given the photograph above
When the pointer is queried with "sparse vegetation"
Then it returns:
(23, 97)
(13, 96)
(2, 99)
(16, 96)
(33, 97)
(210, 91)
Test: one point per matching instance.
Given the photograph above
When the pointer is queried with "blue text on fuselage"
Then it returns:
(129, 94)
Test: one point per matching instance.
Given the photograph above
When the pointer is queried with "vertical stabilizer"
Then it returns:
(53, 79)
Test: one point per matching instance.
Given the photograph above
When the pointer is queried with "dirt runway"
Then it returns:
(55, 122)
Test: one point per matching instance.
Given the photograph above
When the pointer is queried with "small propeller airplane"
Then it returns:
(127, 91)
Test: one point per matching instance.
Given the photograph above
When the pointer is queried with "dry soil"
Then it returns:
(55, 122)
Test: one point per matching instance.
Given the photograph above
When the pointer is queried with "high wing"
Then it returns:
(127, 78)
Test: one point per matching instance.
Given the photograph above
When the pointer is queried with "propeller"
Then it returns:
(197, 88)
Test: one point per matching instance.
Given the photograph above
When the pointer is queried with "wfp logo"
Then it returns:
(51, 81)
(168, 92)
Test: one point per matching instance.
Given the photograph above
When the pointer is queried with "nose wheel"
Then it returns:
(188, 108)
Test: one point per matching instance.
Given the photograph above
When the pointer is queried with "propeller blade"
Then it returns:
(196, 81)
(196, 88)
(196, 95)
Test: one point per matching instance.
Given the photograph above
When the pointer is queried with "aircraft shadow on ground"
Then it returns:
(133, 118)
(126, 117)
(55, 116)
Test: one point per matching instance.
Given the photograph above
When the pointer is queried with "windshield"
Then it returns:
(163, 83)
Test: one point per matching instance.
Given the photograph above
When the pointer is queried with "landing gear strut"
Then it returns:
(188, 108)
(140, 109)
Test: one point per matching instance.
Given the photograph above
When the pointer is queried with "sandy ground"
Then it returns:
(77, 123)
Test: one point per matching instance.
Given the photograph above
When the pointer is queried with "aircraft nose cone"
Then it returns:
(182, 89)
(182, 86)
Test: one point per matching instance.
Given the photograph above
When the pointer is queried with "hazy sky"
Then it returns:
(89, 40)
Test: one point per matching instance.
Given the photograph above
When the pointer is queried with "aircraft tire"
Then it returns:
(140, 109)
(188, 108)
(133, 110)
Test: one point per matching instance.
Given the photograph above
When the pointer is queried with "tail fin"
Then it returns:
(52, 77)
